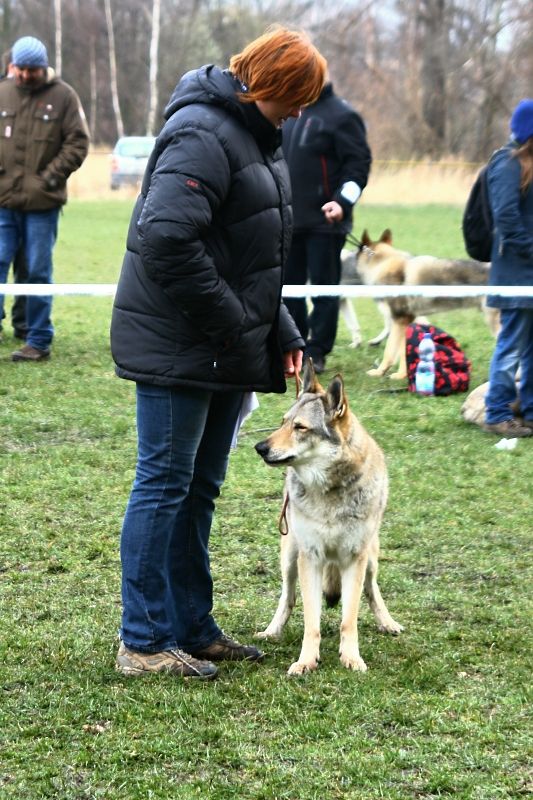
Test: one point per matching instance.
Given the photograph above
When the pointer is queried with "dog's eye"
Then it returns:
(299, 427)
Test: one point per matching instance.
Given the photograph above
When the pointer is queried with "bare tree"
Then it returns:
(58, 24)
(154, 56)
(113, 68)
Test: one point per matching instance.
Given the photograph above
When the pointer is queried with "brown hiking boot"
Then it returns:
(132, 663)
(226, 649)
(509, 429)
(29, 353)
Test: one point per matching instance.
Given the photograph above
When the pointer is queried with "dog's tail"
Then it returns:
(331, 585)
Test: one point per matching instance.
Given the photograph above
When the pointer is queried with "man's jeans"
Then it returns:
(315, 257)
(37, 232)
(184, 438)
(514, 347)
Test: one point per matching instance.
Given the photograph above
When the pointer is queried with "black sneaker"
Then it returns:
(226, 649)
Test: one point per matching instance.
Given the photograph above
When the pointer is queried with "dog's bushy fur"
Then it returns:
(336, 489)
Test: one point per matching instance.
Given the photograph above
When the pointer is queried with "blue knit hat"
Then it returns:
(522, 121)
(29, 52)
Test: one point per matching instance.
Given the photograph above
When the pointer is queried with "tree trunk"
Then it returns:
(433, 72)
(58, 35)
(113, 69)
(154, 56)
(93, 88)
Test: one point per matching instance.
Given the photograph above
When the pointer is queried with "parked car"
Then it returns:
(129, 159)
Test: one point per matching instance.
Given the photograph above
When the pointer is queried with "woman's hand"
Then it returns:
(292, 363)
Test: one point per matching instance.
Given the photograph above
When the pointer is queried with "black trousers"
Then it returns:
(315, 257)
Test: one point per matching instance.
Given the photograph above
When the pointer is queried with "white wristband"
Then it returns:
(351, 192)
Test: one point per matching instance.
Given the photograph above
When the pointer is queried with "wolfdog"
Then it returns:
(380, 263)
(336, 492)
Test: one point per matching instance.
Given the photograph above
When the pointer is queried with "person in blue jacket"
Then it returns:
(329, 162)
(510, 183)
(197, 324)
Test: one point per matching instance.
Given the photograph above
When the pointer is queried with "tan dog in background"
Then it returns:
(379, 263)
(336, 490)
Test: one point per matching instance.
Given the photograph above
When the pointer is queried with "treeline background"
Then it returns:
(432, 78)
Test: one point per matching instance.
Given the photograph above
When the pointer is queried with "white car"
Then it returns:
(129, 159)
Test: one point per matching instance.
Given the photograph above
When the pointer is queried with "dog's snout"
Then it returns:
(262, 448)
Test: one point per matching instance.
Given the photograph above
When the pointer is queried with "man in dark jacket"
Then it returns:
(20, 270)
(43, 139)
(329, 162)
(197, 323)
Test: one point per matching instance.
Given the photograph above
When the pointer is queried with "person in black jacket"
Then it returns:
(198, 323)
(329, 162)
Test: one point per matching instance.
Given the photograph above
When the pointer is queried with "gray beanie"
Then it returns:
(29, 52)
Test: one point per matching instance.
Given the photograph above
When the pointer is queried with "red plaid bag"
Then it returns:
(452, 367)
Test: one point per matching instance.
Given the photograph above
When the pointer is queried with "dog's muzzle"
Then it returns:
(263, 449)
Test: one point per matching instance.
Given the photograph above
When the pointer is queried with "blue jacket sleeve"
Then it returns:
(505, 200)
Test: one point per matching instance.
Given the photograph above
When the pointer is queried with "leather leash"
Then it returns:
(283, 525)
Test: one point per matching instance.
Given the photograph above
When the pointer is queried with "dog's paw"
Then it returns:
(267, 634)
(353, 662)
(375, 372)
(398, 376)
(357, 341)
(302, 667)
(391, 627)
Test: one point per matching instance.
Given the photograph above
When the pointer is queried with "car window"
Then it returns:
(139, 148)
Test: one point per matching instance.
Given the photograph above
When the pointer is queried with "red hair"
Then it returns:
(280, 65)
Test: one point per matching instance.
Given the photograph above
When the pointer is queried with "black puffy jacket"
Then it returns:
(198, 301)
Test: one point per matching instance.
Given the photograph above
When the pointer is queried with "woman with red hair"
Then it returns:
(197, 323)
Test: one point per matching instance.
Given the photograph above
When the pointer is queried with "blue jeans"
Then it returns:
(36, 231)
(315, 257)
(514, 347)
(184, 438)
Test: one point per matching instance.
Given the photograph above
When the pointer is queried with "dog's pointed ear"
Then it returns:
(337, 400)
(386, 236)
(365, 239)
(309, 381)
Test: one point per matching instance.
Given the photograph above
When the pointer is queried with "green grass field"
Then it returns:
(444, 708)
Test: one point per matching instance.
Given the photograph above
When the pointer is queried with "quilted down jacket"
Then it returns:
(198, 301)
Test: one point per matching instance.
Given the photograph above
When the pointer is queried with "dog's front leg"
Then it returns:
(391, 353)
(289, 569)
(387, 321)
(310, 574)
(352, 323)
(352, 578)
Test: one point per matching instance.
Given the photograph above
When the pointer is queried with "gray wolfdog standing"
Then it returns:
(379, 263)
(336, 491)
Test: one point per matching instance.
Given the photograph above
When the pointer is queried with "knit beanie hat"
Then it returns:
(522, 121)
(29, 52)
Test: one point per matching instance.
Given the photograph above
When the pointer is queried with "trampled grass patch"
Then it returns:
(444, 708)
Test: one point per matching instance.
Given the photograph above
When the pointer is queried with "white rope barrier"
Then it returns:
(109, 289)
